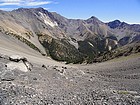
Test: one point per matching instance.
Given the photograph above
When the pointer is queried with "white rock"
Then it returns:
(17, 58)
(17, 65)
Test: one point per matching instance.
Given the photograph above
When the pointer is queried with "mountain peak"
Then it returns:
(117, 21)
(40, 9)
(20, 9)
(93, 19)
(114, 24)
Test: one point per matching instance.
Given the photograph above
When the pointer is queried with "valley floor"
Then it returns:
(115, 82)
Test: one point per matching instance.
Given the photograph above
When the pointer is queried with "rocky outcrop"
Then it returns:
(19, 63)
(17, 58)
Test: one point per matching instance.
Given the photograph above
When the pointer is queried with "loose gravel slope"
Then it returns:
(108, 83)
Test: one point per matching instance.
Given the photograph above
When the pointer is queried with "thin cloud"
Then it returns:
(7, 9)
(10, 1)
(23, 2)
(6, 4)
(38, 3)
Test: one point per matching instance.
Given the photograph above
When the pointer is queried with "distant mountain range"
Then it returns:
(70, 40)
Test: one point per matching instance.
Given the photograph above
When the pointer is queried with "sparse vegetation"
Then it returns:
(89, 51)
(29, 34)
(91, 48)
(123, 92)
(61, 50)
(119, 52)
(22, 39)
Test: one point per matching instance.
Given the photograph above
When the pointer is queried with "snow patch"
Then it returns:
(109, 48)
(90, 44)
(47, 20)
(75, 44)
(115, 42)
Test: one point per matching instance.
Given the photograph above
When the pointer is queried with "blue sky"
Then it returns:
(105, 10)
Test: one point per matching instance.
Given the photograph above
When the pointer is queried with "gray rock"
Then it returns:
(64, 67)
(44, 66)
(4, 56)
(8, 76)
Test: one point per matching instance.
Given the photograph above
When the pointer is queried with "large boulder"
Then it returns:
(19, 62)
(17, 65)
(17, 58)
